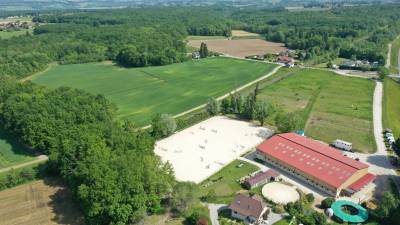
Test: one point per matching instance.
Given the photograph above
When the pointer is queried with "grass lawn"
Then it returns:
(205, 37)
(336, 61)
(330, 105)
(391, 106)
(284, 221)
(394, 57)
(227, 187)
(12, 152)
(140, 93)
(162, 220)
(10, 34)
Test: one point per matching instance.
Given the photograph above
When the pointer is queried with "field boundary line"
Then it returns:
(29, 78)
(40, 158)
(276, 69)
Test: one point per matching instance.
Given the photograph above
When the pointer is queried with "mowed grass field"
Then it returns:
(391, 106)
(394, 57)
(140, 93)
(332, 106)
(41, 202)
(12, 152)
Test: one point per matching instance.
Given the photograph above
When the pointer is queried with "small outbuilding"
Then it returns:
(261, 178)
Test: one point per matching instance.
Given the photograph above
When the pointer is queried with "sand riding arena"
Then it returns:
(201, 150)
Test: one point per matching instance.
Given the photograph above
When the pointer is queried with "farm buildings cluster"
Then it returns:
(212, 144)
(293, 162)
(318, 164)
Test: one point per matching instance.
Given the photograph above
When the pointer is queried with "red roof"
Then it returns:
(362, 182)
(314, 158)
(262, 176)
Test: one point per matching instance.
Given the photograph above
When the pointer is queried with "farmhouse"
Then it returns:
(318, 164)
(261, 178)
(250, 210)
(286, 60)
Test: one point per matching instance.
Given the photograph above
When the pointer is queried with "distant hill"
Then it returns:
(11, 5)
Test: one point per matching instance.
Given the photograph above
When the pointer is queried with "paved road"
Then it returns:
(40, 158)
(214, 208)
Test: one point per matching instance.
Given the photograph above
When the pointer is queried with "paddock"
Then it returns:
(203, 149)
(280, 193)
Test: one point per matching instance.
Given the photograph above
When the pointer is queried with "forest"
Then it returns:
(361, 32)
(76, 129)
(156, 36)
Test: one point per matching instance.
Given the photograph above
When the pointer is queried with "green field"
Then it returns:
(10, 34)
(205, 37)
(140, 93)
(227, 187)
(330, 105)
(394, 57)
(12, 152)
(391, 106)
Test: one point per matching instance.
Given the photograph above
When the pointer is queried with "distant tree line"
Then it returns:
(360, 32)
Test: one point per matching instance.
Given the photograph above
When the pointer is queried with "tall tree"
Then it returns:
(213, 107)
(203, 50)
(163, 125)
(261, 112)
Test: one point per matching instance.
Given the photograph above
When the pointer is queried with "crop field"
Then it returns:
(391, 106)
(12, 152)
(10, 34)
(241, 47)
(140, 93)
(242, 33)
(332, 106)
(206, 37)
(42, 202)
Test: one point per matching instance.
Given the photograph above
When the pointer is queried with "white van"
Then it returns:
(343, 145)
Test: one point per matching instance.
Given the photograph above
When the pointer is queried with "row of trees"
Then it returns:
(252, 108)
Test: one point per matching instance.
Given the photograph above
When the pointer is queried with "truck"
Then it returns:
(343, 145)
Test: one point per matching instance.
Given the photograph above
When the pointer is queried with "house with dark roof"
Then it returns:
(316, 163)
(260, 179)
(251, 210)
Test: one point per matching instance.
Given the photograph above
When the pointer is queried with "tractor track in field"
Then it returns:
(276, 69)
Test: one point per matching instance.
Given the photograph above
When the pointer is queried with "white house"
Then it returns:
(251, 210)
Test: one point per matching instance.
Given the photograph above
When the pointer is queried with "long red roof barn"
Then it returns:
(318, 161)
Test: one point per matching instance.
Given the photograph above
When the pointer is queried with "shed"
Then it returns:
(261, 178)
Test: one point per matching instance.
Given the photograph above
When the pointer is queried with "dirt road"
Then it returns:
(40, 158)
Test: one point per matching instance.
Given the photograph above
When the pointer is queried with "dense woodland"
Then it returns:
(361, 32)
(109, 165)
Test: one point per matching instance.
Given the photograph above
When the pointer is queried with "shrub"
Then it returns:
(327, 202)
(310, 198)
